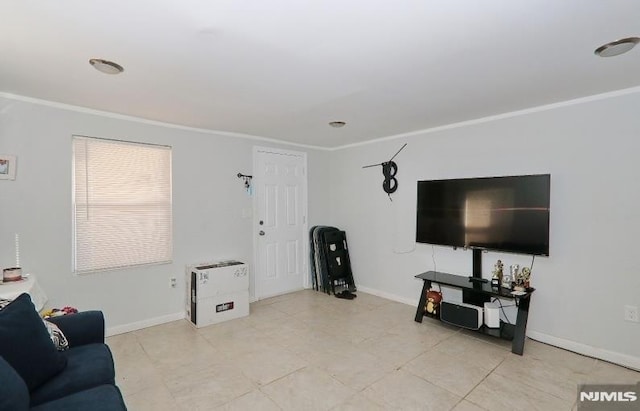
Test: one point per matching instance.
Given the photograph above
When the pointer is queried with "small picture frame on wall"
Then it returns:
(7, 167)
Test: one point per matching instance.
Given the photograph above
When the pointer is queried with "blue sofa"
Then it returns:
(36, 376)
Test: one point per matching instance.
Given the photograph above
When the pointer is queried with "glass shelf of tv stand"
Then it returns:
(465, 283)
(505, 332)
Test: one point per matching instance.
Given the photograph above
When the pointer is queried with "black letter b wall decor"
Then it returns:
(389, 170)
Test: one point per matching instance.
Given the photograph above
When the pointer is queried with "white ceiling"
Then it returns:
(283, 69)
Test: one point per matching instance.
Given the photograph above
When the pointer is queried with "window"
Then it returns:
(121, 204)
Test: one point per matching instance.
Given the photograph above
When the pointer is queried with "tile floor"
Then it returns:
(311, 351)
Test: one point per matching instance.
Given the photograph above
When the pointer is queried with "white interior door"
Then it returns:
(280, 224)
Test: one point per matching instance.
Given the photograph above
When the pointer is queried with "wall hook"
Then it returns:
(247, 181)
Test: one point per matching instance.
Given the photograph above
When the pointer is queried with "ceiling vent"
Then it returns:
(106, 66)
(615, 48)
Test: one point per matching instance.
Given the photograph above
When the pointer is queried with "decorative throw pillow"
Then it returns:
(25, 343)
(56, 335)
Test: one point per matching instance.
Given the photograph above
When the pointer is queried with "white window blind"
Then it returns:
(121, 204)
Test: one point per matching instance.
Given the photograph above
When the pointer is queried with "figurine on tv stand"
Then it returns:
(506, 281)
(526, 277)
(496, 280)
(433, 302)
(522, 280)
(507, 278)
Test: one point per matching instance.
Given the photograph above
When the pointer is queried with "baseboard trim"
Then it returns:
(138, 325)
(599, 353)
(388, 296)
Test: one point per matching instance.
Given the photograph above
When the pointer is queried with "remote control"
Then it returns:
(478, 280)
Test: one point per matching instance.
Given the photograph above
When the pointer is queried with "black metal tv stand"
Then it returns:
(475, 292)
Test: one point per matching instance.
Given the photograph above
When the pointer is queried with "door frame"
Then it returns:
(304, 210)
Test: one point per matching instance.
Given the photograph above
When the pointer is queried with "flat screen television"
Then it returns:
(508, 214)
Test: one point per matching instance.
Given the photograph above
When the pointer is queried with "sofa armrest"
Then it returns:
(82, 328)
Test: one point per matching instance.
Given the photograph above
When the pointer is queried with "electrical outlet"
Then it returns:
(174, 282)
(631, 313)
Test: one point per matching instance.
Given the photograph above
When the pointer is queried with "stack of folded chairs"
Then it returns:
(330, 264)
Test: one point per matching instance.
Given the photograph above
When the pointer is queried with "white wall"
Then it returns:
(589, 148)
(208, 201)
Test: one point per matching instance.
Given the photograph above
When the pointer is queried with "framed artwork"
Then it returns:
(7, 167)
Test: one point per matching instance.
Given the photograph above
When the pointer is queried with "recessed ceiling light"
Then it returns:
(106, 66)
(615, 48)
(337, 124)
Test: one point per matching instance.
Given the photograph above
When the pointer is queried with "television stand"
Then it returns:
(477, 291)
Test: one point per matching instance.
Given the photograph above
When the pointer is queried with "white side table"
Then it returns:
(28, 284)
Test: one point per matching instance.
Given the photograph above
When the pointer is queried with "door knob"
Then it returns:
(261, 232)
